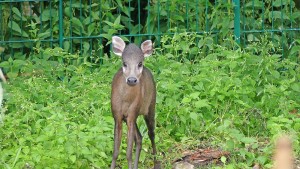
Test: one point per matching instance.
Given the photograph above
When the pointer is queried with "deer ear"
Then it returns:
(147, 48)
(118, 45)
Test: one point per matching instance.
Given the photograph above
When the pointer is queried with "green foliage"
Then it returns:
(274, 16)
(57, 109)
(235, 97)
(57, 123)
(89, 25)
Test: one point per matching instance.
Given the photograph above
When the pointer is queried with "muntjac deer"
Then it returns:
(133, 94)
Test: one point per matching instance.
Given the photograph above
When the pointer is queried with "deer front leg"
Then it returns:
(138, 146)
(117, 141)
(130, 139)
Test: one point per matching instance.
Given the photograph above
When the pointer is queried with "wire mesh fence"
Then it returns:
(86, 27)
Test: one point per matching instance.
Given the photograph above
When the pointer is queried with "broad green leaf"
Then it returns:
(201, 43)
(275, 74)
(109, 23)
(296, 87)
(233, 64)
(47, 14)
(111, 31)
(193, 115)
(117, 21)
(18, 13)
(127, 10)
(24, 34)
(107, 36)
(87, 21)
(103, 154)
(186, 100)
(14, 26)
(26, 150)
(4, 64)
(248, 140)
(91, 29)
(68, 11)
(44, 35)
(195, 95)
(10, 60)
(19, 63)
(119, 2)
(230, 144)
(95, 16)
(77, 22)
(12, 74)
(221, 97)
(66, 45)
(278, 15)
(73, 158)
(262, 159)
(202, 103)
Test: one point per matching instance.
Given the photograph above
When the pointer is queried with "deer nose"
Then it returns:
(132, 81)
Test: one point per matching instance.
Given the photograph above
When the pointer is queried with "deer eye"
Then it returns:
(124, 64)
(140, 64)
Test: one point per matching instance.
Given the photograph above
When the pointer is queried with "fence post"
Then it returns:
(237, 19)
(61, 31)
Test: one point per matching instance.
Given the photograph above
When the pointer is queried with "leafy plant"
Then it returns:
(89, 25)
(57, 109)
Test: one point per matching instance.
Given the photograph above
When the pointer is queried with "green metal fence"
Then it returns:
(85, 27)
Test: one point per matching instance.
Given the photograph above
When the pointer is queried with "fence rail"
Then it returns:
(85, 27)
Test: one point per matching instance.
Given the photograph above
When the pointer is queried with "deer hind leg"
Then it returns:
(150, 121)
